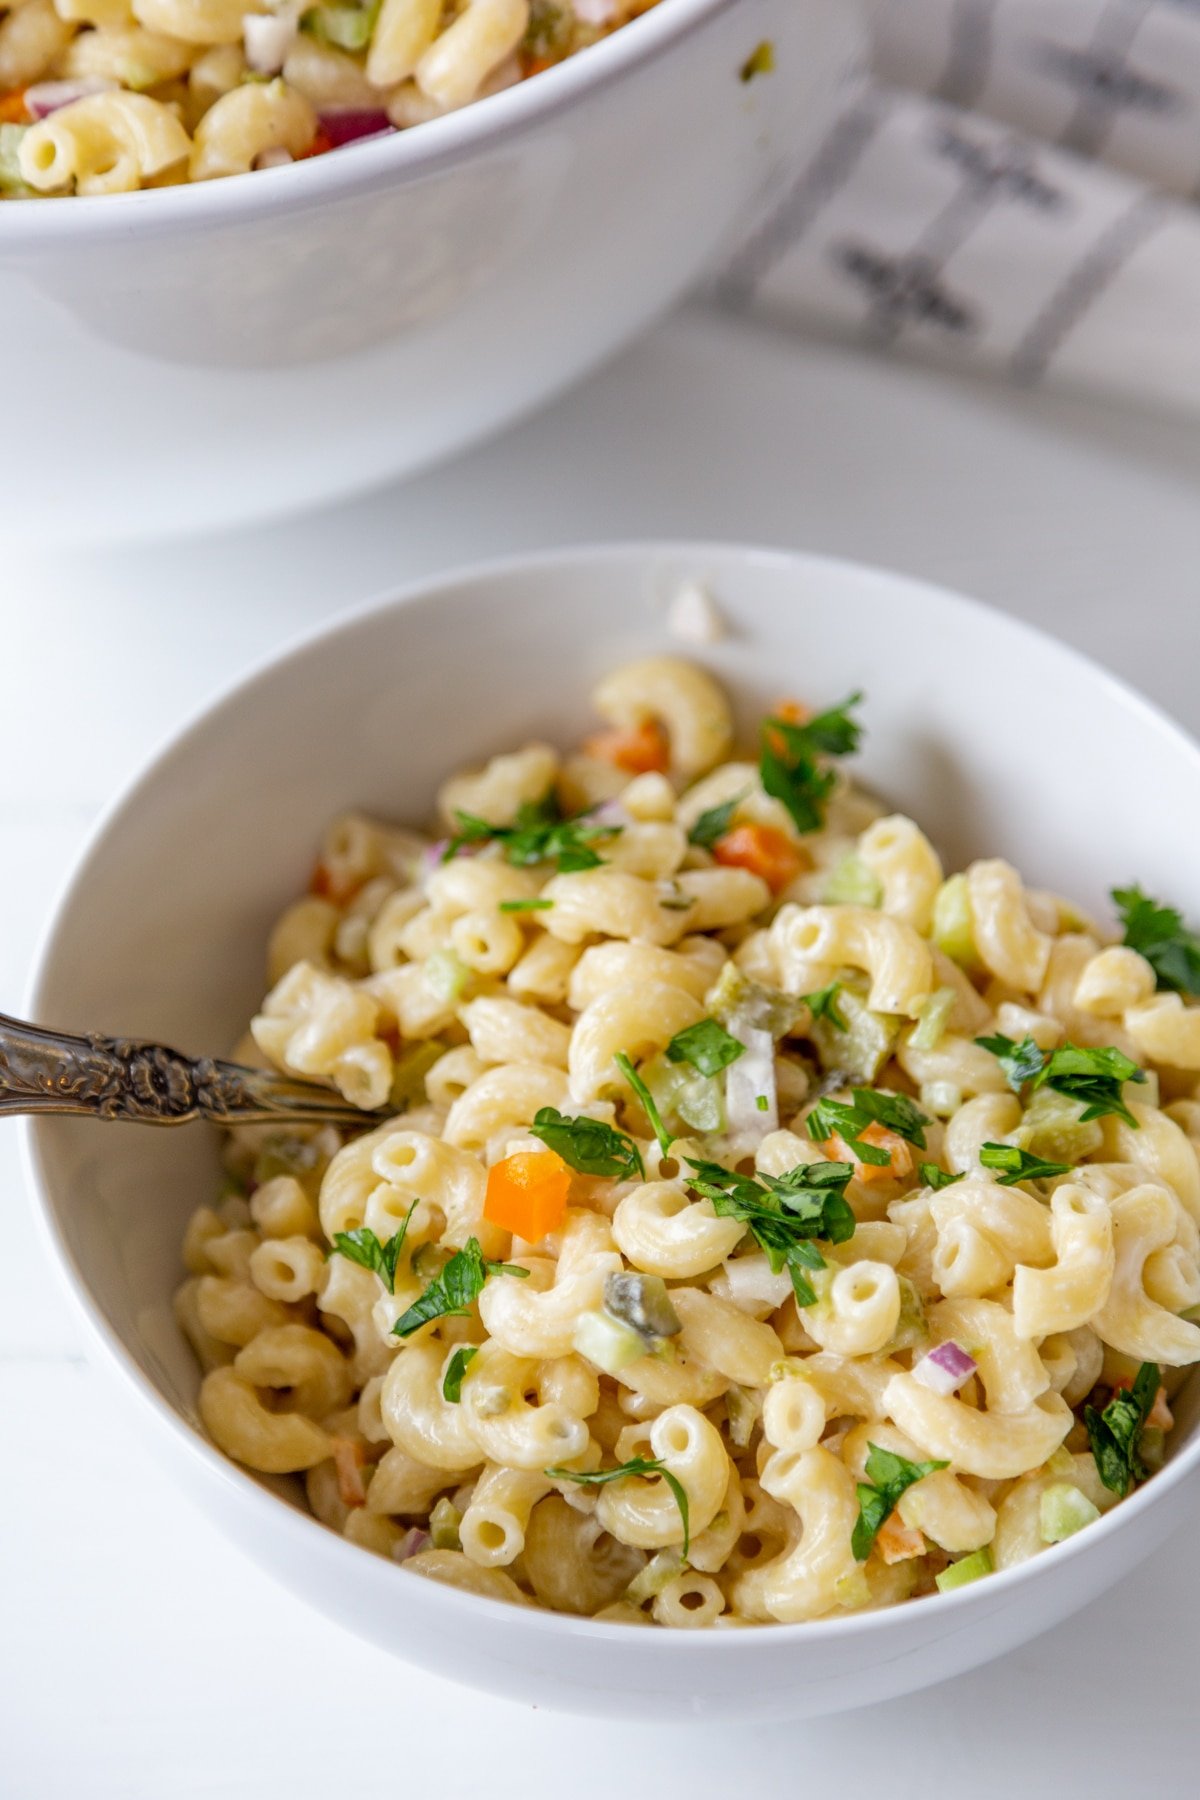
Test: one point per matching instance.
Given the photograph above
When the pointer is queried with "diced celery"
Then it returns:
(11, 183)
(851, 883)
(1152, 1448)
(447, 974)
(941, 1098)
(1064, 1510)
(1052, 1128)
(685, 1096)
(953, 926)
(408, 1078)
(965, 1570)
(444, 1522)
(785, 1367)
(606, 1342)
(852, 1590)
(743, 1408)
(933, 1018)
(911, 1328)
(345, 27)
(735, 998)
(863, 1048)
(1061, 1462)
(658, 1573)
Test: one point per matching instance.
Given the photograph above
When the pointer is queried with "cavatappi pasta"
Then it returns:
(107, 96)
(754, 1221)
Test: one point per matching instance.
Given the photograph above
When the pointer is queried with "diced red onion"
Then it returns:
(752, 1076)
(610, 813)
(47, 97)
(268, 38)
(945, 1369)
(345, 125)
(411, 1544)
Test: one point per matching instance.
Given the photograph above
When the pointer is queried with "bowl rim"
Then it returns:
(303, 1528)
(392, 158)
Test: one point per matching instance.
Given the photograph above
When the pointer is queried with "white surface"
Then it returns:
(139, 1656)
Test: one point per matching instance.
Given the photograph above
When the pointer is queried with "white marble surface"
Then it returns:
(140, 1658)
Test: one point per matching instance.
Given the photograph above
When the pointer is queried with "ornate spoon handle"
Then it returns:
(98, 1077)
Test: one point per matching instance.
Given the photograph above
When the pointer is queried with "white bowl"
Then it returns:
(995, 737)
(200, 356)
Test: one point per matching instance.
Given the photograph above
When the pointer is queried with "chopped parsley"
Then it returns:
(1159, 934)
(788, 767)
(588, 1145)
(889, 1476)
(707, 1046)
(712, 825)
(849, 1119)
(761, 61)
(540, 834)
(823, 1005)
(1093, 1076)
(1114, 1433)
(452, 1294)
(364, 1248)
(637, 1465)
(1013, 1165)
(936, 1178)
(784, 1213)
(665, 1140)
(520, 906)
(456, 1368)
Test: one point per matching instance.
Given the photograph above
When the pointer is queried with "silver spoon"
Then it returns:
(96, 1077)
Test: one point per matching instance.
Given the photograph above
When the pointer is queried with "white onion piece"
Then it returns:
(268, 37)
(611, 812)
(752, 1076)
(595, 12)
(47, 97)
(694, 616)
(945, 1369)
(747, 1281)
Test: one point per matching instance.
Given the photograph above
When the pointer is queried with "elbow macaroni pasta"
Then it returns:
(530, 1441)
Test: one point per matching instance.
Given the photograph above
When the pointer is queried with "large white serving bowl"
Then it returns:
(200, 356)
(998, 739)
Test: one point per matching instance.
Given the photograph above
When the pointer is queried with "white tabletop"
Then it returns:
(139, 1655)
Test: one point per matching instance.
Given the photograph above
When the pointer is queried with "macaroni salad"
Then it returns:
(752, 1221)
(106, 96)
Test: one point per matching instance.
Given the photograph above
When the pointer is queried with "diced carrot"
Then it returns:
(900, 1151)
(535, 65)
(897, 1541)
(326, 884)
(13, 110)
(318, 147)
(791, 712)
(348, 1460)
(527, 1194)
(765, 851)
(638, 749)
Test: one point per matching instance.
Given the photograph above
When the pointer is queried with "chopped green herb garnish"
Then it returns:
(889, 1476)
(788, 766)
(761, 61)
(520, 906)
(539, 834)
(1093, 1076)
(762, 1103)
(707, 1046)
(822, 1004)
(936, 1178)
(588, 1145)
(1159, 934)
(713, 824)
(1013, 1165)
(454, 1291)
(784, 1213)
(849, 1119)
(456, 1368)
(363, 1247)
(1114, 1433)
(637, 1465)
(665, 1140)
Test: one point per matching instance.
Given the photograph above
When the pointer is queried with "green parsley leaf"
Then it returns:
(637, 1465)
(788, 767)
(364, 1248)
(713, 824)
(456, 1368)
(849, 1119)
(762, 1103)
(1114, 1433)
(520, 906)
(890, 1477)
(454, 1291)
(588, 1145)
(665, 1140)
(784, 1213)
(707, 1046)
(822, 1004)
(1159, 934)
(1019, 1165)
(1094, 1076)
(539, 834)
(1020, 1062)
(936, 1178)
